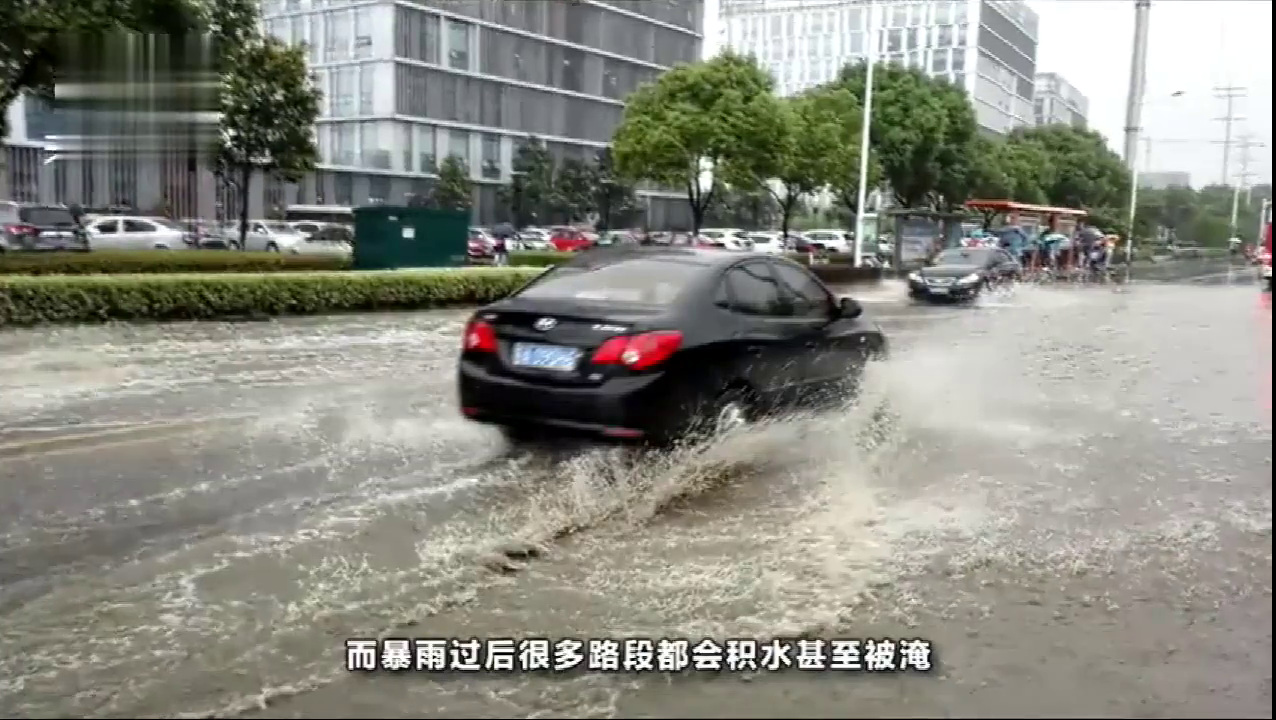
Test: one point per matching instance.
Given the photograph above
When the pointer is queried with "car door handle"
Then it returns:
(812, 343)
(753, 349)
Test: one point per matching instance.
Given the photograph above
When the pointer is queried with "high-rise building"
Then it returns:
(409, 82)
(987, 47)
(1057, 101)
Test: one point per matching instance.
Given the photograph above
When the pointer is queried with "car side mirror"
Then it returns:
(849, 308)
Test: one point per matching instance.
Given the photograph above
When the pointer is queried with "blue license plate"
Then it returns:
(545, 357)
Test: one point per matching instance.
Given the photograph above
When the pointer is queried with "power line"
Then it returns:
(1229, 94)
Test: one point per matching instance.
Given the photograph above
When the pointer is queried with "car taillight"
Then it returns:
(638, 352)
(19, 229)
(479, 337)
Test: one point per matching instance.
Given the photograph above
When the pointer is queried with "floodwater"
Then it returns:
(1068, 496)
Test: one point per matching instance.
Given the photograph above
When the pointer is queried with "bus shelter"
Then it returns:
(1035, 222)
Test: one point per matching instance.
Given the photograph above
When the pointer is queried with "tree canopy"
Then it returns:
(718, 117)
(454, 190)
(269, 105)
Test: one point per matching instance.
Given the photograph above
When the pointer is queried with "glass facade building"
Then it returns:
(985, 46)
(409, 83)
(1057, 101)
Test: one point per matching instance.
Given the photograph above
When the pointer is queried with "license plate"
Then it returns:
(546, 357)
(939, 290)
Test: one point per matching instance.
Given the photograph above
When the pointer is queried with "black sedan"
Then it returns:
(962, 274)
(659, 344)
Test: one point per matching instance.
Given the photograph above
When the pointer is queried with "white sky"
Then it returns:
(1194, 45)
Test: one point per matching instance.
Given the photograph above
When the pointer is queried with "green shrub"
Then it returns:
(27, 300)
(114, 262)
(543, 258)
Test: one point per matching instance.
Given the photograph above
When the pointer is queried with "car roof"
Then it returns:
(707, 257)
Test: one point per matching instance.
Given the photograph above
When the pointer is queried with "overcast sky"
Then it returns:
(1194, 46)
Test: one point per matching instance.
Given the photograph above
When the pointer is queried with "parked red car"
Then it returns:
(569, 240)
(480, 245)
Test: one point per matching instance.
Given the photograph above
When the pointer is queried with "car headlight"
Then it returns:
(971, 278)
(914, 277)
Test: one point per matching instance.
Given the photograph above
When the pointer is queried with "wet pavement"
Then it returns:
(1071, 498)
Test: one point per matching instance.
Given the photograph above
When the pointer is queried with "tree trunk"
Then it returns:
(245, 181)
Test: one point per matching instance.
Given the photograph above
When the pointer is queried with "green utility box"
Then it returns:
(387, 237)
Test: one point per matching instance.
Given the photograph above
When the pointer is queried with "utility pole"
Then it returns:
(1244, 144)
(1229, 94)
(1138, 81)
(1133, 115)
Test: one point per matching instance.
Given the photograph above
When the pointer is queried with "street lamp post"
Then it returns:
(866, 125)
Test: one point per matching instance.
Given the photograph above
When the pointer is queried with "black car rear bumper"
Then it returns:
(626, 408)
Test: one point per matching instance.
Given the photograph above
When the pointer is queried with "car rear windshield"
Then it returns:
(641, 282)
(46, 216)
(963, 256)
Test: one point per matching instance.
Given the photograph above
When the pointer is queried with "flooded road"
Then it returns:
(1071, 498)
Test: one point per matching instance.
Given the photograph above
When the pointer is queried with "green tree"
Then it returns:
(1003, 169)
(614, 198)
(843, 179)
(269, 104)
(529, 195)
(920, 131)
(815, 130)
(718, 118)
(573, 191)
(454, 189)
(749, 206)
(1086, 173)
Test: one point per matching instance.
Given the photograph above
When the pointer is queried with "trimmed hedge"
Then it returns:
(837, 269)
(115, 262)
(192, 296)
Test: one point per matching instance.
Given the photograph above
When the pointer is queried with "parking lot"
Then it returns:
(1072, 500)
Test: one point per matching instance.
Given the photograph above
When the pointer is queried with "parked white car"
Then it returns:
(274, 236)
(768, 243)
(536, 239)
(125, 232)
(306, 228)
(725, 238)
(837, 241)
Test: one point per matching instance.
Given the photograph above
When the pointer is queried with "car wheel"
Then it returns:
(706, 417)
(271, 247)
(518, 436)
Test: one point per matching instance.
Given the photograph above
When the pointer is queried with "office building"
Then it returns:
(987, 47)
(1058, 102)
(409, 82)
(1164, 180)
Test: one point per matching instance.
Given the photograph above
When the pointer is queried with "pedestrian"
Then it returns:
(500, 250)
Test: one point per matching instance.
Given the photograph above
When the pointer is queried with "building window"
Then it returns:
(343, 82)
(425, 148)
(367, 90)
(343, 189)
(458, 145)
(939, 62)
(336, 43)
(378, 189)
(491, 156)
(363, 32)
(376, 140)
(344, 149)
(458, 41)
(406, 136)
(418, 35)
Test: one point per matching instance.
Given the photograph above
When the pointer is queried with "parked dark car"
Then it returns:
(26, 227)
(655, 344)
(958, 274)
